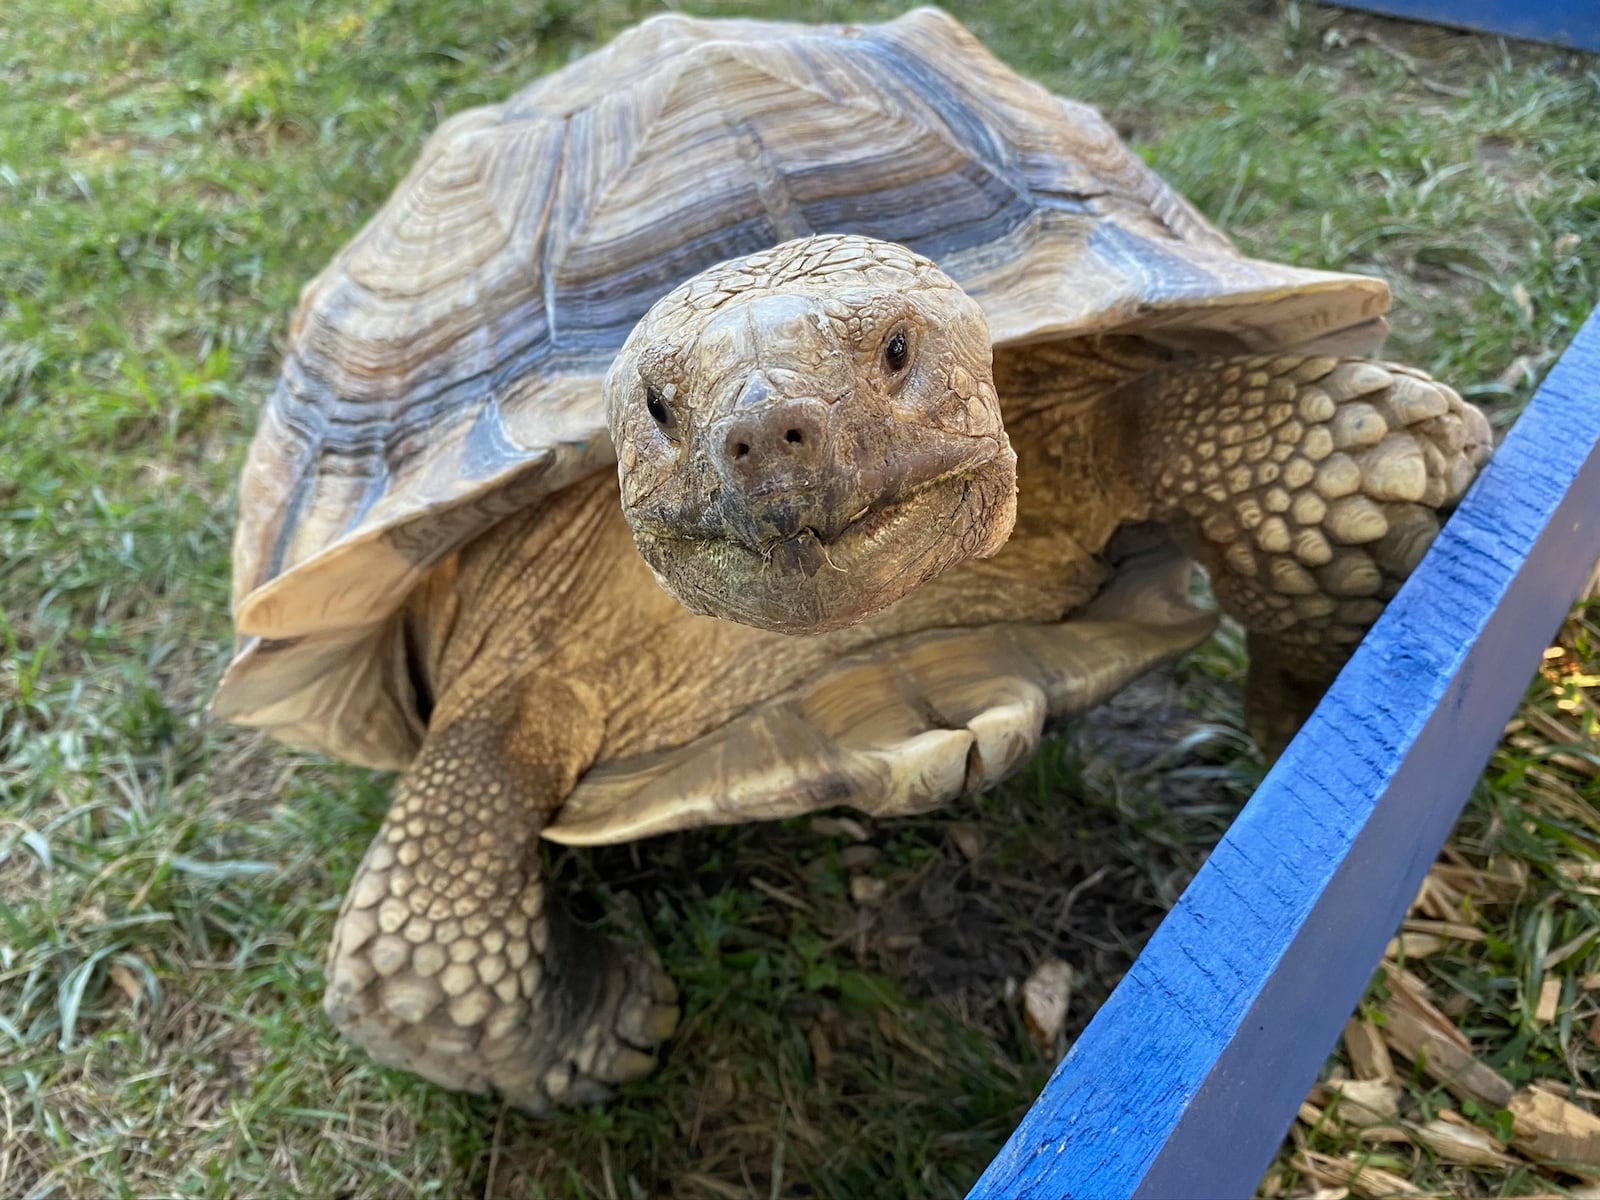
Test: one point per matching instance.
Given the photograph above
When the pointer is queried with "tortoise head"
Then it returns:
(806, 434)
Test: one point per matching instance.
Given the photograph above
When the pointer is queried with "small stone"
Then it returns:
(859, 858)
(868, 891)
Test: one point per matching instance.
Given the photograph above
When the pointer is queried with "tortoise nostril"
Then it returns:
(741, 450)
(794, 435)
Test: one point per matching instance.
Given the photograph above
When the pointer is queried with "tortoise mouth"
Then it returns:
(815, 579)
(808, 549)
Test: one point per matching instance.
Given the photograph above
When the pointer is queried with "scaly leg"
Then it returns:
(1309, 488)
(448, 959)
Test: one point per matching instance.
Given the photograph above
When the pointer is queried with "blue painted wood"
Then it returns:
(1573, 23)
(1187, 1078)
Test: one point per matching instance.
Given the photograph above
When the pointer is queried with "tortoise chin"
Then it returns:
(817, 580)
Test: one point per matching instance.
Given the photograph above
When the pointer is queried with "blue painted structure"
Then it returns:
(1574, 23)
(1186, 1080)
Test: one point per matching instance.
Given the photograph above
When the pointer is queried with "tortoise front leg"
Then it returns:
(448, 958)
(1309, 488)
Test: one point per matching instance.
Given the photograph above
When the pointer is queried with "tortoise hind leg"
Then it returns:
(448, 960)
(1309, 488)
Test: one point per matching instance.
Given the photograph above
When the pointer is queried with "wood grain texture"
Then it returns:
(1186, 1080)
(1573, 23)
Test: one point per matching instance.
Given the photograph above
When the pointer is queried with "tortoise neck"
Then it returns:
(1070, 412)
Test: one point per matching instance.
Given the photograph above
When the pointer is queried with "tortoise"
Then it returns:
(752, 418)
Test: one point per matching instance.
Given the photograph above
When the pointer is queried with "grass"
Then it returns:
(172, 171)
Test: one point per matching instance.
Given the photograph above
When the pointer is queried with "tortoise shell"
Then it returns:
(445, 369)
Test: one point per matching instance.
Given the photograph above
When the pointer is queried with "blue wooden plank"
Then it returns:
(1573, 23)
(1187, 1078)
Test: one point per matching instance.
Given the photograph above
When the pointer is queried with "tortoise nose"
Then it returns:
(772, 448)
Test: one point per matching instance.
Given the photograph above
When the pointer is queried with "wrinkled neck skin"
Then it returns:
(798, 448)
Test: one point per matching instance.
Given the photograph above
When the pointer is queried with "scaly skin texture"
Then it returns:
(1308, 487)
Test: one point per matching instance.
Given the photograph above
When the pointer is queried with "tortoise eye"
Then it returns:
(657, 406)
(896, 350)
